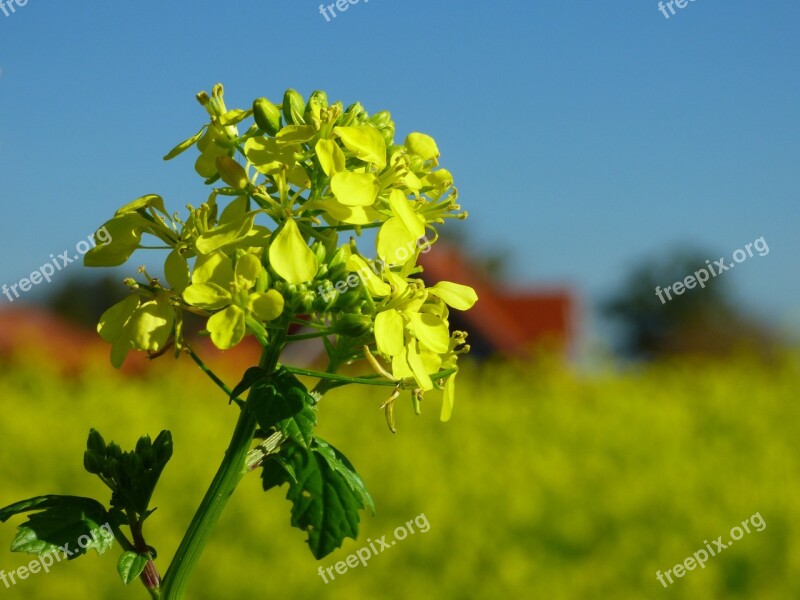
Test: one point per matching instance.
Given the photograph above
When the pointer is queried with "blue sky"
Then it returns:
(584, 136)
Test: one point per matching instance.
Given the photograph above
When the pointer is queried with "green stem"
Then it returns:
(368, 380)
(230, 472)
(212, 375)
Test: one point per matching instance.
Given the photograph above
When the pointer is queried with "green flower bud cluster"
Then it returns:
(132, 476)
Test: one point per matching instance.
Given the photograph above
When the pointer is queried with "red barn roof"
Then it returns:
(505, 321)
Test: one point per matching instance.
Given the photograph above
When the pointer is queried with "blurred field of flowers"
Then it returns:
(545, 484)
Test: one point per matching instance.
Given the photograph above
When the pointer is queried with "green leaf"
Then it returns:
(283, 403)
(276, 471)
(339, 462)
(68, 524)
(131, 565)
(250, 377)
(326, 495)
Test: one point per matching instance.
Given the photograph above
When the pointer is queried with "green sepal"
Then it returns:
(186, 144)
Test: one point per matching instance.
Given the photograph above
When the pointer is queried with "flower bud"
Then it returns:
(316, 102)
(267, 115)
(293, 108)
(319, 251)
(353, 325)
(354, 115)
(96, 444)
(383, 121)
(93, 463)
(340, 257)
(231, 172)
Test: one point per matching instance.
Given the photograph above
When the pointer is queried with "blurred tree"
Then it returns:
(492, 262)
(82, 300)
(699, 321)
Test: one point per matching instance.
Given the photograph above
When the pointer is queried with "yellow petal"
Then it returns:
(396, 244)
(431, 331)
(365, 142)
(460, 297)
(422, 145)
(151, 325)
(207, 295)
(113, 320)
(402, 209)
(248, 268)
(400, 368)
(213, 268)
(266, 306)
(268, 155)
(418, 366)
(355, 215)
(389, 332)
(374, 284)
(290, 256)
(331, 157)
(227, 327)
(448, 397)
(355, 189)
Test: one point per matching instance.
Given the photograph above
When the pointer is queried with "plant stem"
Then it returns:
(230, 472)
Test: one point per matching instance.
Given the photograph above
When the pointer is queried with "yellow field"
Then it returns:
(544, 485)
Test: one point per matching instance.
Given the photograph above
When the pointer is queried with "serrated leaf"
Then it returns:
(131, 565)
(283, 403)
(277, 471)
(339, 462)
(59, 523)
(324, 504)
(250, 377)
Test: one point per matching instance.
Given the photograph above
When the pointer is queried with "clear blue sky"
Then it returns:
(586, 136)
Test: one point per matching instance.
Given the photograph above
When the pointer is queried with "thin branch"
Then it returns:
(228, 391)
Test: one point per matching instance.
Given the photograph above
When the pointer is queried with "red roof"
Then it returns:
(511, 322)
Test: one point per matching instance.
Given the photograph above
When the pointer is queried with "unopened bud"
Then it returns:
(267, 115)
(293, 107)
